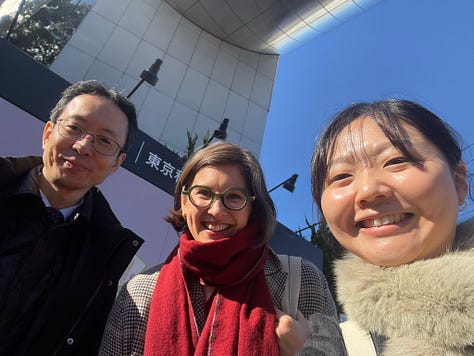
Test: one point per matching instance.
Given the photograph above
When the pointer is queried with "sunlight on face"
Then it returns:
(215, 221)
(75, 165)
(384, 208)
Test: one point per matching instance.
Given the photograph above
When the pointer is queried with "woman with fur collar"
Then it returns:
(389, 179)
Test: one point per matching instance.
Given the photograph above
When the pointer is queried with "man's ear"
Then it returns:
(47, 132)
(460, 181)
(118, 162)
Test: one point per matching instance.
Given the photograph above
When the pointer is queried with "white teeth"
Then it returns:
(377, 222)
(216, 228)
(388, 219)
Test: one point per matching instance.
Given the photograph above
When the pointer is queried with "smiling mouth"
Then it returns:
(73, 164)
(384, 220)
(216, 227)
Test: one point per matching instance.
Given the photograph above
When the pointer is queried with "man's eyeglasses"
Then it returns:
(234, 199)
(74, 132)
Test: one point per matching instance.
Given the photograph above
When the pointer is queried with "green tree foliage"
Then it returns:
(44, 27)
(192, 144)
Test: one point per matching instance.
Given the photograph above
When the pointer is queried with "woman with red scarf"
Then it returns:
(219, 292)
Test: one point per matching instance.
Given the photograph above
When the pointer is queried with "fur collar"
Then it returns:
(424, 308)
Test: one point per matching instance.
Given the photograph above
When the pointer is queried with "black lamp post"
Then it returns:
(288, 184)
(149, 76)
(221, 132)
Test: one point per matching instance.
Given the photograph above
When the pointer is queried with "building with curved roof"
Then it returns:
(271, 27)
(219, 58)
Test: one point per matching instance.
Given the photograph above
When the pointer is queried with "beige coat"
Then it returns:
(423, 308)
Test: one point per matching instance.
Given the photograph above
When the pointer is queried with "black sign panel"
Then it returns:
(154, 162)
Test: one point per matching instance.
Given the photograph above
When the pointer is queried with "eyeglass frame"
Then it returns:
(248, 197)
(84, 133)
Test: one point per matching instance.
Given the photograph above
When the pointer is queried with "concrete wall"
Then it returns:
(201, 81)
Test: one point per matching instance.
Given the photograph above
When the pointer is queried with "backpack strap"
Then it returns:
(357, 340)
(289, 301)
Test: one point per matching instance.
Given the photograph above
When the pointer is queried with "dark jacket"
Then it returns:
(78, 264)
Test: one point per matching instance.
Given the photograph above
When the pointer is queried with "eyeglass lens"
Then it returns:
(233, 199)
(101, 144)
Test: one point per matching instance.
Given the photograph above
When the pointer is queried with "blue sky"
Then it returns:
(421, 50)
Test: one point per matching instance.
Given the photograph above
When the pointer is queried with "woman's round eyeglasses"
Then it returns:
(234, 199)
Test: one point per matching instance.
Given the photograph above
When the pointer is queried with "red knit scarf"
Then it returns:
(241, 320)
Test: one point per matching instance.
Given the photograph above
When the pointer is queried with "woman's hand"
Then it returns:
(291, 333)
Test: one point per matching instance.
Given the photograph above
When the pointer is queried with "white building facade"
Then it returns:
(220, 60)
(219, 57)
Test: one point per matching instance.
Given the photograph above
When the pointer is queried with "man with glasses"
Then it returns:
(62, 250)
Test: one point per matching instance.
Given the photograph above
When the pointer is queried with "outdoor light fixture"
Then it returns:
(221, 132)
(288, 184)
(150, 76)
